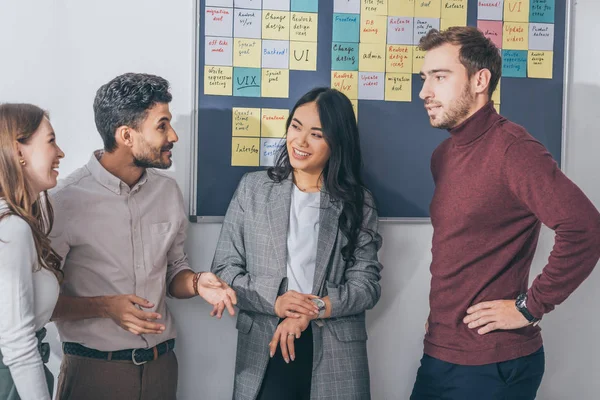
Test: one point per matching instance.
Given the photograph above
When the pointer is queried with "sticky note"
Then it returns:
(218, 80)
(276, 25)
(245, 122)
(303, 56)
(541, 36)
(304, 27)
(218, 22)
(375, 7)
(446, 23)
(275, 83)
(252, 4)
(305, 5)
(539, 64)
(491, 10)
(515, 36)
(355, 107)
(423, 26)
(373, 28)
(346, 28)
(346, 82)
(219, 3)
(246, 53)
(418, 59)
(400, 30)
(492, 30)
(372, 57)
(496, 94)
(398, 87)
(399, 58)
(218, 51)
(344, 56)
(246, 82)
(272, 122)
(455, 9)
(346, 6)
(541, 11)
(428, 8)
(516, 10)
(514, 63)
(279, 5)
(247, 23)
(275, 53)
(371, 86)
(245, 152)
(269, 151)
(401, 8)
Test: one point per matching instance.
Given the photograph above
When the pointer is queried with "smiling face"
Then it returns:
(308, 151)
(154, 138)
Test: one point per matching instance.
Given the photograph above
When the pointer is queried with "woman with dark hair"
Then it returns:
(29, 268)
(299, 247)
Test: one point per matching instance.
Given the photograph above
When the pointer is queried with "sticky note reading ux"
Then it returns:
(346, 82)
(246, 82)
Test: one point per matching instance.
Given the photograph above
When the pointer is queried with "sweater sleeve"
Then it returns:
(18, 343)
(536, 181)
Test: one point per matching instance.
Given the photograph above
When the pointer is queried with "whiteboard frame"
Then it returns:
(403, 220)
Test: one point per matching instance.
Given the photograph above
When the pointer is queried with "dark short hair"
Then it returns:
(125, 100)
(476, 51)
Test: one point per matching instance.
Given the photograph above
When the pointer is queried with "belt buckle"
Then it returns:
(133, 358)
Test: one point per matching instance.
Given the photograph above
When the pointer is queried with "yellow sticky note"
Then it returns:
(275, 83)
(497, 107)
(455, 9)
(372, 57)
(304, 27)
(377, 7)
(516, 10)
(355, 107)
(245, 152)
(446, 23)
(272, 122)
(418, 59)
(246, 52)
(346, 82)
(373, 29)
(245, 122)
(398, 87)
(428, 8)
(276, 25)
(303, 56)
(496, 94)
(218, 80)
(401, 8)
(515, 36)
(399, 58)
(539, 64)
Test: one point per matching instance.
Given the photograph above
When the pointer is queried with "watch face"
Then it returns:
(319, 303)
(522, 301)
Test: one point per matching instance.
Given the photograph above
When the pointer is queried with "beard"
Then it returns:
(151, 157)
(457, 111)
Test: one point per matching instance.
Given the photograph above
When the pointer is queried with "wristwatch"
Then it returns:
(321, 305)
(521, 305)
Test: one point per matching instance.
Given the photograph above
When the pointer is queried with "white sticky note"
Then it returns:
(247, 23)
(346, 6)
(541, 36)
(218, 51)
(371, 85)
(278, 5)
(219, 3)
(491, 10)
(218, 22)
(400, 30)
(251, 4)
(269, 150)
(275, 54)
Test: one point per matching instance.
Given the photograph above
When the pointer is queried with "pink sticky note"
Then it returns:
(492, 30)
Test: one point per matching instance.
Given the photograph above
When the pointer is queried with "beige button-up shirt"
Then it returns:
(118, 240)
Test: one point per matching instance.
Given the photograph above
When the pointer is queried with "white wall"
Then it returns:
(56, 53)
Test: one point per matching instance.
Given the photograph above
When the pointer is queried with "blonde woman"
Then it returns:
(29, 267)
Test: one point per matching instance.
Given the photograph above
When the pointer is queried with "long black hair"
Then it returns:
(342, 174)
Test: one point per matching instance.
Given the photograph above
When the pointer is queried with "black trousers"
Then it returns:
(290, 381)
(517, 379)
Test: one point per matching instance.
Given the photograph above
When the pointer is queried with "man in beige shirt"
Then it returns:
(121, 226)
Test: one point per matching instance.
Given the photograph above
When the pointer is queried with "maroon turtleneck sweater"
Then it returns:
(494, 186)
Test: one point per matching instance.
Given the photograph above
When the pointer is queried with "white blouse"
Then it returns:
(27, 299)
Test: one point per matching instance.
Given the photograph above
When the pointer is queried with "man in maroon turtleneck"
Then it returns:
(495, 185)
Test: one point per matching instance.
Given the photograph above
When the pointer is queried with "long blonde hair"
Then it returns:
(18, 122)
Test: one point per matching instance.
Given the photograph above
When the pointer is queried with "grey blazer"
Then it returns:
(251, 257)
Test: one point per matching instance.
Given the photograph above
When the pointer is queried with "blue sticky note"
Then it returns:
(246, 82)
(344, 56)
(514, 63)
(305, 6)
(346, 28)
(541, 11)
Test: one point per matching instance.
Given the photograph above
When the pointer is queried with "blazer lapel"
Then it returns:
(278, 214)
(328, 230)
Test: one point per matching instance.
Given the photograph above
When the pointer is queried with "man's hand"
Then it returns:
(493, 315)
(288, 330)
(216, 292)
(123, 309)
(293, 305)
